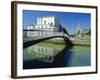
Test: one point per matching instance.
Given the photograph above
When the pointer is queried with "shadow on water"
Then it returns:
(59, 60)
(62, 59)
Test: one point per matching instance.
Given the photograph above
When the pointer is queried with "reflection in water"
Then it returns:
(40, 53)
(48, 55)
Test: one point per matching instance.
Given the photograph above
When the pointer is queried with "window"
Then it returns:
(38, 33)
(51, 23)
(42, 50)
(45, 26)
(42, 27)
(46, 50)
(40, 19)
(39, 50)
(44, 22)
(33, 34)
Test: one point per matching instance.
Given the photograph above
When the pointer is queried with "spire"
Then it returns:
(78, 30)
(78, 26)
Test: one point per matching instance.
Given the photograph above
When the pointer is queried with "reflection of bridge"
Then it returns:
(29, 41)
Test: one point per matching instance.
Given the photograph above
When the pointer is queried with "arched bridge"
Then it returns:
(29, 41)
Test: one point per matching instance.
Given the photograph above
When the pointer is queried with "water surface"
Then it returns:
(49, 55)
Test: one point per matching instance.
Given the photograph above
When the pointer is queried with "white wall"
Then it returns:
(5, 41)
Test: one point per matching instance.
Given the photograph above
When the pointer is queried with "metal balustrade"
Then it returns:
(28, 38)
(31, 39)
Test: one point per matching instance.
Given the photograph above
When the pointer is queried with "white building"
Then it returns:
(45, 25)
(30, 27)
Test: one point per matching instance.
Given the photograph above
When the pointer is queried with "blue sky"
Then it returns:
(69, 20)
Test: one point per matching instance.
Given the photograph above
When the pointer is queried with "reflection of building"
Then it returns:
(43, 50)
(45, 25)
(41, 53)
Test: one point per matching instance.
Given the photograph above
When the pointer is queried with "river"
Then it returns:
(49, 55)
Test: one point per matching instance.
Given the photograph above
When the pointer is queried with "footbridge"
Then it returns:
(29, 41)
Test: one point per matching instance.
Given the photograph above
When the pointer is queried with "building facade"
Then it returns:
(48, 23)
(45, 25)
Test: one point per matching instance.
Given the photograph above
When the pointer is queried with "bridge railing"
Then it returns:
(33, 35)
